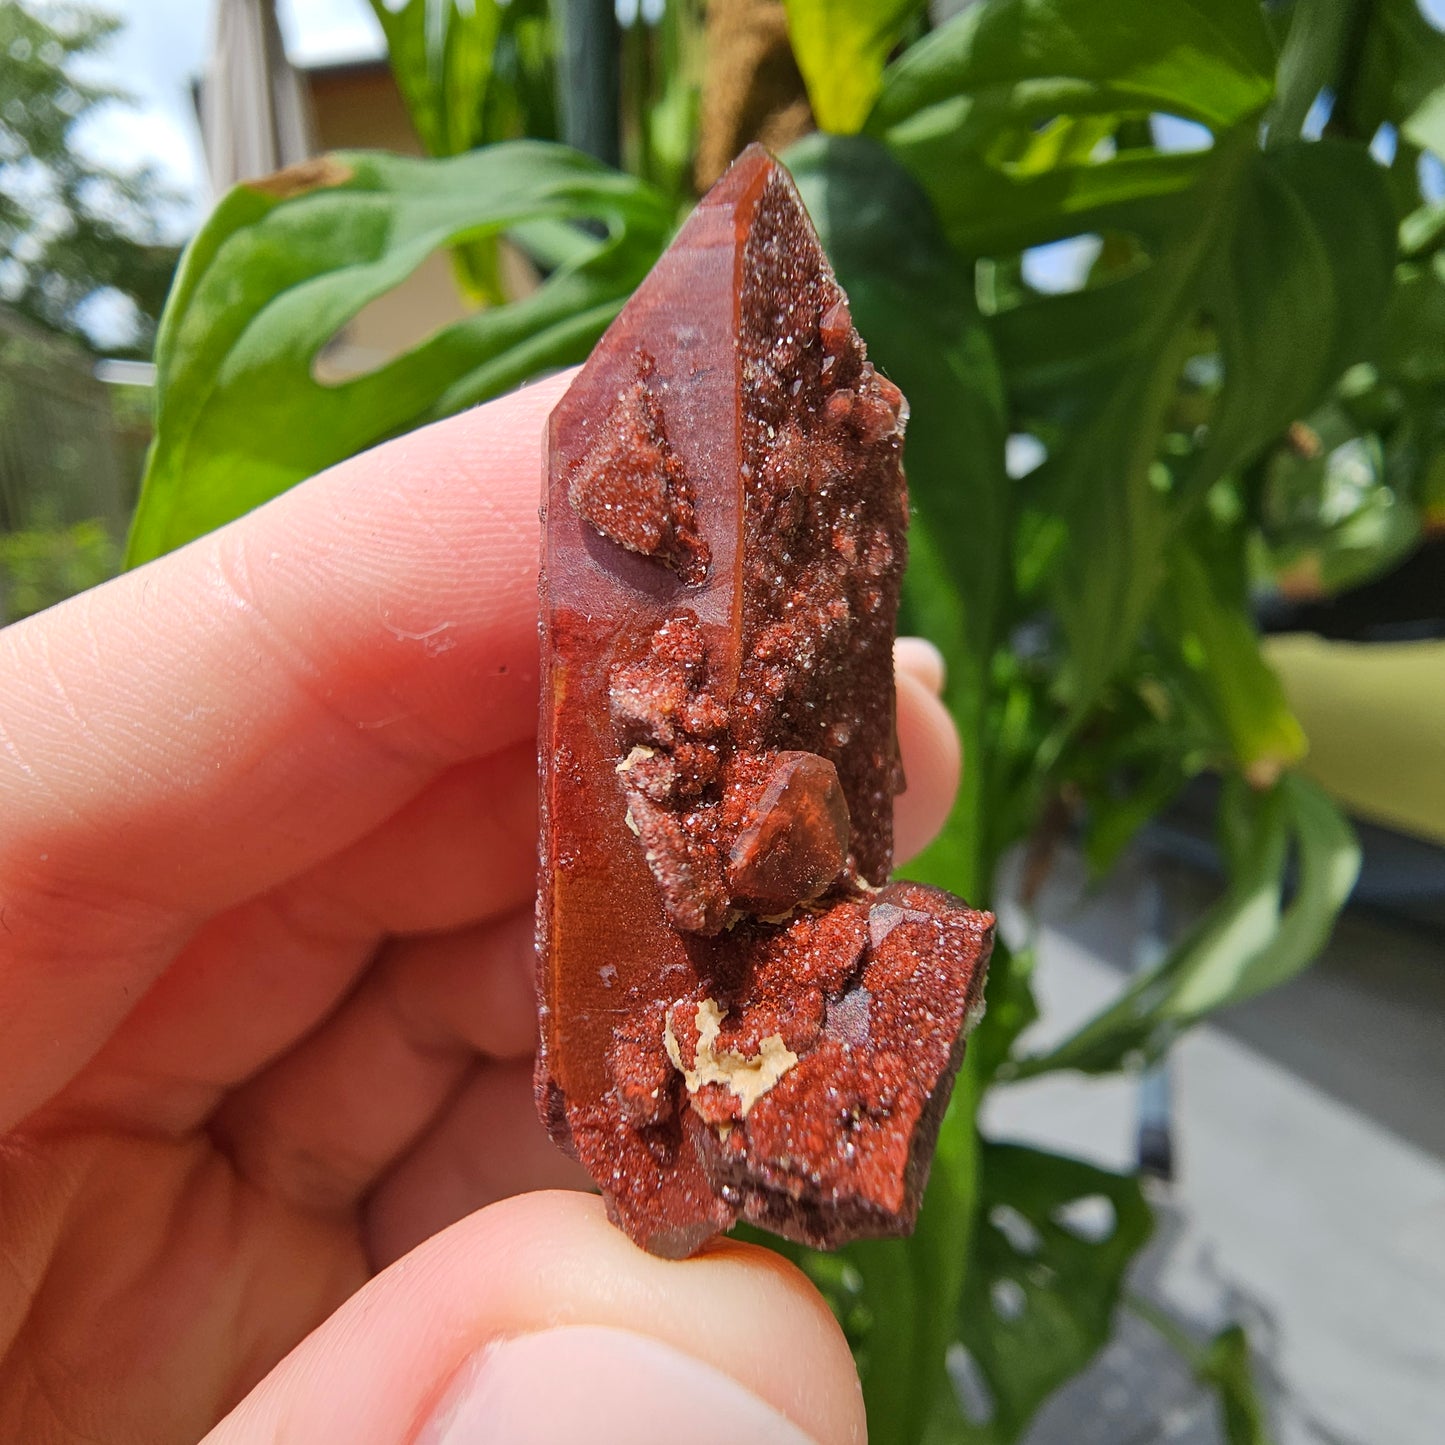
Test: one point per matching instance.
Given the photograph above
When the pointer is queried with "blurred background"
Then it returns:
(1292, 1147)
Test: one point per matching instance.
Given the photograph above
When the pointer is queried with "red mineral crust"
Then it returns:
(741, 1016)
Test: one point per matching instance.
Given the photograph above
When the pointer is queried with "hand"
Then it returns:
(266, 1016)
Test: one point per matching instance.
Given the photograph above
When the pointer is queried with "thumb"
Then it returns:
(534, 1321)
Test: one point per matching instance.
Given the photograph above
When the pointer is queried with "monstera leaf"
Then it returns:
(284, 264)
(1051, 1241)
(1282, 260)
(1277, 262)
(1004, 113)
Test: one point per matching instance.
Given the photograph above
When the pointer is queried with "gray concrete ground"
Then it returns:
(1309, 1198)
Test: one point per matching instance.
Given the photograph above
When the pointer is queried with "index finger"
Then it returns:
(189, 735)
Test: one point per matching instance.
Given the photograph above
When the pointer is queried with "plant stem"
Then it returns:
(1183, 1344)
(590, 78)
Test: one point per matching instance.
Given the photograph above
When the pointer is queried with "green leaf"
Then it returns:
(1284, 258)
(42, 564)
(941, 1251)
(521, 97)
(281, 267)
(1340, 510)
(841, 47)
(1216, 648)
(663, 66)
(1398, 76)
(1115, 817)
(1053, 1239)
(441, 54)
(465, 82)
(1284, 255)
(1222, 1365)
(1225, 1365)
(912, 299)
(1304, 273)
(1417, 321)
(990, 211)
(892, 1363)
(1422, 232)
(961, 108)
(1317, 48)
(1035, 59)
(1252, 940)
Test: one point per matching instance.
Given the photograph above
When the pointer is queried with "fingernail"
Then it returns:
(605, 1386)
(918, 656)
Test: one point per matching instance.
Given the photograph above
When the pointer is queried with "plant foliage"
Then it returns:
(40, 566)
(1113, 231)
(71, 228)
(282, 267)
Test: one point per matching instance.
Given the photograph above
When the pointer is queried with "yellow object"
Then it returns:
(1375, 718)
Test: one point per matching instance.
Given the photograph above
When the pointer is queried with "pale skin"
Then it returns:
(268, 1152)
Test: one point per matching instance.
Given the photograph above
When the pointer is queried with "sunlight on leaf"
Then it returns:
(1217, 650)
(441, 54)
(841, 47)
(1225, 1365)
(1038, 74)
(1251, 940)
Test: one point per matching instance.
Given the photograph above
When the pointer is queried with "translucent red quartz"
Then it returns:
(741, 1016)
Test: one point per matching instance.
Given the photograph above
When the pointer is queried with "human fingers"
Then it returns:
(194, 733)
(535, 1321)
(258, 978)
(311, 1124)
(487, 1144)
(323, 1123)
(928, 743)
(918, 656)
(449, 1172)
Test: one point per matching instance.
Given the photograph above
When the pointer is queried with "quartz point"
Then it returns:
(741, 1017)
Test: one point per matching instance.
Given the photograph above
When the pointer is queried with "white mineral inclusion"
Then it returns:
(749, 1078)
(637, 755)
(883, 918)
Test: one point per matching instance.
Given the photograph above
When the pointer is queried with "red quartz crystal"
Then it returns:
(741, 1016)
